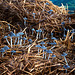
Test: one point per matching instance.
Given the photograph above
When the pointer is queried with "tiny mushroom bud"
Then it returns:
(25, 19)
(30, 41)
(53, 56)
(34, 15)
(33, 30)
(47, 3)
(9, 26)
(63, 23)
(2, 51)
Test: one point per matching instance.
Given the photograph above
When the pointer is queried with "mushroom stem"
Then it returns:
(32, 32)
(43, 33)
(34, 16)
(12, 54)
(9, 28)
(15, 41)
(24, 42)
(51, 35)
(37, 36)
(25, 23)
(43, 53)
(49, 56)
(11, 41)
(64, 32)
(18, 41)
(65, 60)
(21, 41)
(2, 54)
(7, 41)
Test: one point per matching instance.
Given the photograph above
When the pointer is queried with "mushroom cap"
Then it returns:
(51, 33)
(37, 31)
(38, 46)
(13, 51)
(53, 38)
(17, 35)
(43, 47)
(64, 54)
(49, 51)
(24, 38)
(5, 37)
(65, 29)
(53, 56)
(51, 10)
(45, 50)
(63, 23)
(8, 24)
(33, 29)
(11, 34)
(42, 42)
(21, 33)
(47, 3)
(40, 30)
(30, 40)
(66, 66)
(2, 50)
(33, 13)
(6, 47)
(25, 18)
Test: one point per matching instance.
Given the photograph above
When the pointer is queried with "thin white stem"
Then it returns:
(11, 41)
(7, 41)
(2, 54)
(37, 36)
(21, 41)
(25, 23)
(34, 16)
(32, 32)
(24, 42)
(18, 41)
(43, 53)
(15, 41)
(65, 60)
(49, 56)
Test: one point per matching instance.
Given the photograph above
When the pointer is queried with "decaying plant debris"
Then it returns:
(24, 15)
